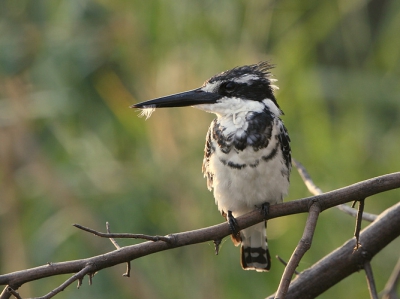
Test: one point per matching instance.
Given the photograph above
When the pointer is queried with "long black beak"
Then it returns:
(187, 98)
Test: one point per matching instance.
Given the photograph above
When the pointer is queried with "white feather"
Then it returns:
(147, 111)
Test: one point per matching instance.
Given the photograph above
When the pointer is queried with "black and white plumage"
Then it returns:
(247, 157)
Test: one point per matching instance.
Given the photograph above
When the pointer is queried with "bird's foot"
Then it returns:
(265, 209)
(233, 225)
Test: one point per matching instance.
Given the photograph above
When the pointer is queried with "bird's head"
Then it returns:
(245, 88)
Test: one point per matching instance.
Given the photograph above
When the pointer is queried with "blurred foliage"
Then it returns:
(73, 152)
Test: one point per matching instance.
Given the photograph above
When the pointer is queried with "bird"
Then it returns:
(247, 155)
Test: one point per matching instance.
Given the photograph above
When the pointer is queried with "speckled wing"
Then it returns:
(208, 151)
(285, 147)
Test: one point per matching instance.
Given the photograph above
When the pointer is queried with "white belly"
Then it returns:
(241, 190)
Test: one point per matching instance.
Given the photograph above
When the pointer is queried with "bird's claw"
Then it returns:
(265, 209)
(233, 225)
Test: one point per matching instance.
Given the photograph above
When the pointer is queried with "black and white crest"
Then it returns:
(250, 82)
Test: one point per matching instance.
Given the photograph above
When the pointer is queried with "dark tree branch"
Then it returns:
(344, 261)
(302, 247)
(372, 240)
(370, 280)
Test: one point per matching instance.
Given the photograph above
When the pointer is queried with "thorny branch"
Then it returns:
(343, 261)
(87, 270)
(124, 235)
(375, 237)
(359, 217)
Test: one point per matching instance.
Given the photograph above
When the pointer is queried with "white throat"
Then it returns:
(234, 110)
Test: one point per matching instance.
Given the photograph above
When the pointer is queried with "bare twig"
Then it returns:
(370, 280)
(112, 239)
(285, 263)
(77, 276)
(306, 178)
(128, 263)
(317, 191)
(358, 223)
(124, 235)
(353, 212)
(302, 247)
(389, 292)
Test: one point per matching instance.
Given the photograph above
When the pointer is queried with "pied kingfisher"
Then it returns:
(247, 157)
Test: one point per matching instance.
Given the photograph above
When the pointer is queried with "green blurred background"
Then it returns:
(73, 152)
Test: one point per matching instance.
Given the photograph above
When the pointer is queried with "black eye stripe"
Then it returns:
(256, 90)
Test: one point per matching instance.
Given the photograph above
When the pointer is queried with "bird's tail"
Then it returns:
(254, 248)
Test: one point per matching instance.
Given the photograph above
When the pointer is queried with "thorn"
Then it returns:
(128, 270)
(217, 242)
(79, 282)
(358, 246)
(91, 278)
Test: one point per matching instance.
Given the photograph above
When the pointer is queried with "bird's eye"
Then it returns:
(229, 86)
